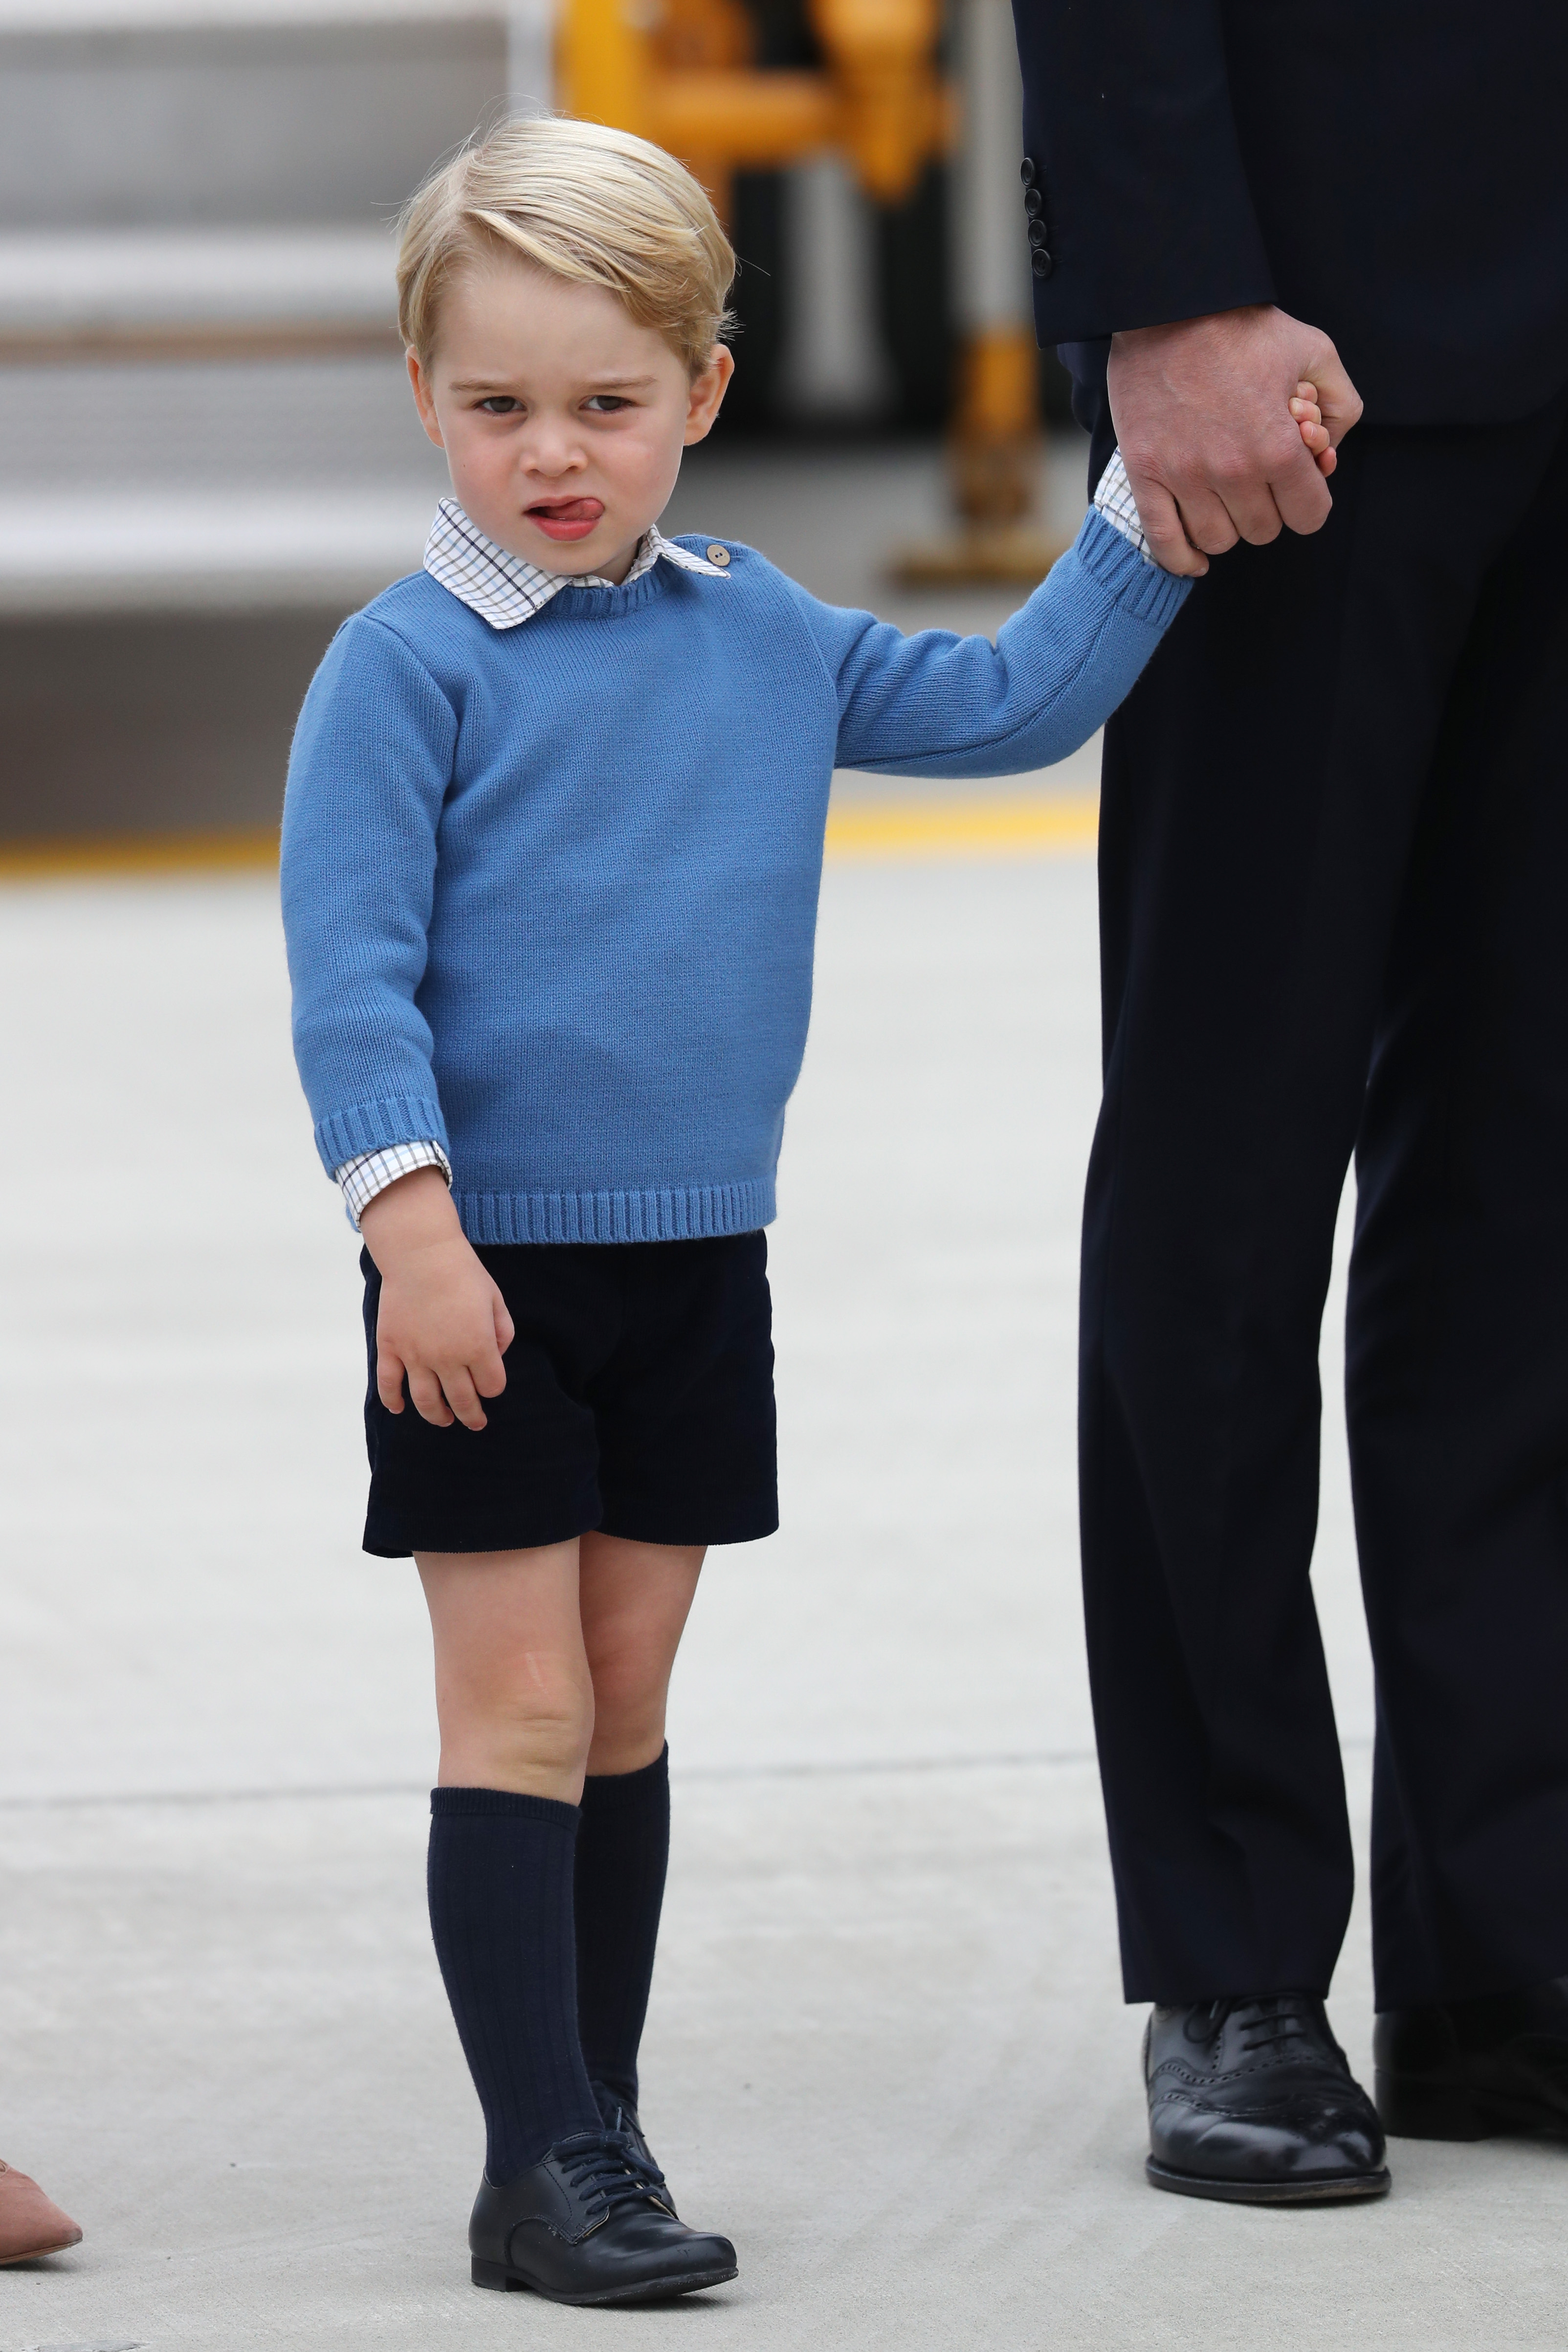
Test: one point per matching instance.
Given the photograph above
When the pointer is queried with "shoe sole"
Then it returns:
(501, 2275)
(1349, 2189)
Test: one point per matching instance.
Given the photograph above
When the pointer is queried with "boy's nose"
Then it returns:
(552, 453)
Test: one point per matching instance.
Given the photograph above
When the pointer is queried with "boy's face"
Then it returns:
(563, 422)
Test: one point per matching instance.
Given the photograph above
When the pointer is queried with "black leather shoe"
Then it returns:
(590, 2223)
(1475, 2067)
(1252, 2099)
(621, 2120)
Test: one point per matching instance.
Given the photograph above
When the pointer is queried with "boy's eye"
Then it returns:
(500, 403)
(605, 403)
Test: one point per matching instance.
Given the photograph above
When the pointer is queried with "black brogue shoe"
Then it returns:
(1251, 2100)
(591, 2223)
(1470, 2068)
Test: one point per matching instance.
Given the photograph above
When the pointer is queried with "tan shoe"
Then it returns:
(30, 2224)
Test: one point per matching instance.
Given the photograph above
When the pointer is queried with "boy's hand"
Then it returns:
(1309, 415)
(442, 1325)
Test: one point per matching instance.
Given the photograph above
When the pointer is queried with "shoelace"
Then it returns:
(1279, 2017)
(609, 2167)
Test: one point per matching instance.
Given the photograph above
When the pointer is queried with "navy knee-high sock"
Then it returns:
(501, 1914)
(622, 1852)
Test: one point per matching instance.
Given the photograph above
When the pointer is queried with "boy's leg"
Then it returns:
(514, 1697)
(564, 2208)
(634, 1600)
(684, 1419)
(516, 1707)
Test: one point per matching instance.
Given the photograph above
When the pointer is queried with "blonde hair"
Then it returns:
(585, 202)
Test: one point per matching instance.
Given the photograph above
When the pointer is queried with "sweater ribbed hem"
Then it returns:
(1140, 588)
(678, 1213)
(373, 1125)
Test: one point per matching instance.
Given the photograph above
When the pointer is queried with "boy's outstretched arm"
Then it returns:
(939, 705)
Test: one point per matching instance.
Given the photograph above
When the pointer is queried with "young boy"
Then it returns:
(551, 864)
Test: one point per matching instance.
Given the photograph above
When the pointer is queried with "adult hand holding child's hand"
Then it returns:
(443, 1324)
(1206, 421)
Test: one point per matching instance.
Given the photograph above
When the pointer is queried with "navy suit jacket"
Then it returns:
(1395, 172)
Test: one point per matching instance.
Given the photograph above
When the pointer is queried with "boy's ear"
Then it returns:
(707, 393)
(422, 399)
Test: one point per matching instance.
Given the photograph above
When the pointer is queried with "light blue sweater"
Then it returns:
(549, 892)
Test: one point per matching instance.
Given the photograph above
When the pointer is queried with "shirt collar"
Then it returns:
(504, 589)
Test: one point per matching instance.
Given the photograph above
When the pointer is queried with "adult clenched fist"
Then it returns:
(1203, 418)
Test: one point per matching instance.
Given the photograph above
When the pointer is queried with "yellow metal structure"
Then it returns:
(681, 72)
(993, 461)
(996, 429)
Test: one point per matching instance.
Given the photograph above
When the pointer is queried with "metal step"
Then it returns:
(112, 293)
(209, 485)
(200, 114)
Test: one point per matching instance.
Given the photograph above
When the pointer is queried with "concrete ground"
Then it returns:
(886, 2050)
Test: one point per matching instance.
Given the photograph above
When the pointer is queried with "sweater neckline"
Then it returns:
(604, 604)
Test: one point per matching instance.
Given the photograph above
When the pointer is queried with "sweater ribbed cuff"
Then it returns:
(1140, 588)
(373, 1125)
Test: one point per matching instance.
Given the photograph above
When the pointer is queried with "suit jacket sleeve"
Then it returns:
(1128, 123)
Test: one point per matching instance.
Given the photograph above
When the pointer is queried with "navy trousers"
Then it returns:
(1334, 876)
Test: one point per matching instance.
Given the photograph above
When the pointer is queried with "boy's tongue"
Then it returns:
(566, 518)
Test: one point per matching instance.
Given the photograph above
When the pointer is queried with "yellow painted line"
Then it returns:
(1041, 825)
(64, 854)
(1044, 826)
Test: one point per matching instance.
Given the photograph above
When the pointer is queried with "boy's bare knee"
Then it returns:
(517, 1731)
(628, 1725)
(558, 1738)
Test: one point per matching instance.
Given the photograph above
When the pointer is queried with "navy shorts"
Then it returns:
(639, 1399)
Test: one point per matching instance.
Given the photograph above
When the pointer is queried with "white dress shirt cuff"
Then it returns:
(1114, 501)
(370, 1173)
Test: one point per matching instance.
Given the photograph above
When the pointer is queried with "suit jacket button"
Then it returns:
(719, 556)
(1041, 262)
(1026, 172)
(1033, 203)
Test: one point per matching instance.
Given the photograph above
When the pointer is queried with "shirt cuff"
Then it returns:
(370, 1173)
(1114, 501)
